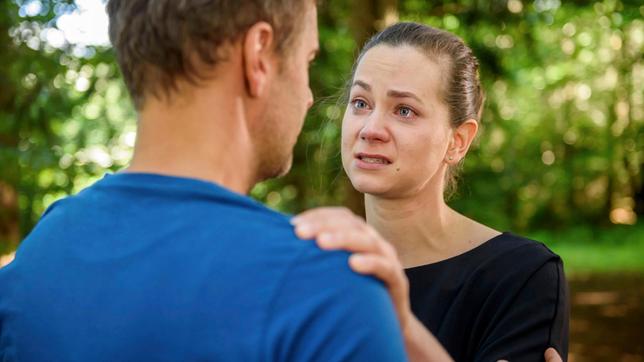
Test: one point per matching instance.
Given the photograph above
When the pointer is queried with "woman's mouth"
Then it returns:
(371, 161)
(374, 160)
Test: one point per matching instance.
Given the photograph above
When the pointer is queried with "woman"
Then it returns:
(414, 109)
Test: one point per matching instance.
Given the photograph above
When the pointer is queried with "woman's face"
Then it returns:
(395, 131)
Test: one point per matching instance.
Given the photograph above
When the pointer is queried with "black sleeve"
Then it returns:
(534, 317)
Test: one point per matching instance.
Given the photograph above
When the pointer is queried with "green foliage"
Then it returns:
(63, 116)
(561, 143)
(562, 138)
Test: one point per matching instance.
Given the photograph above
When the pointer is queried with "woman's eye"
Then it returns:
(405, 112)
(359, 104)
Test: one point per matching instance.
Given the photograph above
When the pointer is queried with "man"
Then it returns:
(169, 260)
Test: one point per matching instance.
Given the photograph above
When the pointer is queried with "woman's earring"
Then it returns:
(450, 158)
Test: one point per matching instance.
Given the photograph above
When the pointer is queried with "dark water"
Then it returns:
(607, 318)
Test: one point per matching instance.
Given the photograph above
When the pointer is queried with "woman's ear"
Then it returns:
(258, 57)
(461, 141)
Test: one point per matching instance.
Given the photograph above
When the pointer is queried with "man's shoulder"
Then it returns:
(230, 232)
(323, 310)
(303, 261)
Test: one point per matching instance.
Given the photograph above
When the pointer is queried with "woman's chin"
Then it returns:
(369, 187)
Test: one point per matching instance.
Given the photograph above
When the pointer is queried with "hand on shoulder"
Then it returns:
(337, 228)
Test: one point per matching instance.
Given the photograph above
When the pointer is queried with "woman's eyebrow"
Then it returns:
(361, 84)
(391, 93)
(404, 94)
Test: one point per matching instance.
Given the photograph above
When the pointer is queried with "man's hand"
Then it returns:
(336, 228)
(552, 355)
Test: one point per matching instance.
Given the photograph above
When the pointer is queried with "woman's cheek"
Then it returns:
(349, 134)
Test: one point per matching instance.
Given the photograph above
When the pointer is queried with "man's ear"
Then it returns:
(258, 57)
(461, 141)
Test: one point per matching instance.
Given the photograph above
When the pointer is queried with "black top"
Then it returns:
(505, 299)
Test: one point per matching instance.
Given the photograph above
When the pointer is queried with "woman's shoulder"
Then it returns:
(509, 246)
(502, 254)
(503, 247)
(514, 259)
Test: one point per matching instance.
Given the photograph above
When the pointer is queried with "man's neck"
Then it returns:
(184, 137)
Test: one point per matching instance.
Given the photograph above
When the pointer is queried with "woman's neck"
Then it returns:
(416, 226)
(424, 229)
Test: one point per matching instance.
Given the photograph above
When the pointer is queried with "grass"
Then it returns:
(585, 250)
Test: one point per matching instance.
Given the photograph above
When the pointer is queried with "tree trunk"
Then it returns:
(9, 211)
(9, 222)
(371, 16)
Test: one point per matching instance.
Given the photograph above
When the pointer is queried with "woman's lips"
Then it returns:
(370, 161)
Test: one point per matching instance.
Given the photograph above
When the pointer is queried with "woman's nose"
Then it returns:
(374, 129)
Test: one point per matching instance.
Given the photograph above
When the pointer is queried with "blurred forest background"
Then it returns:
(559, 159)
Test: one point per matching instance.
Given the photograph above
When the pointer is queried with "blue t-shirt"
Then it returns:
(144, 267)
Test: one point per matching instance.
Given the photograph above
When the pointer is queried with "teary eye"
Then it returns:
(405, 112)
(359, 104)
